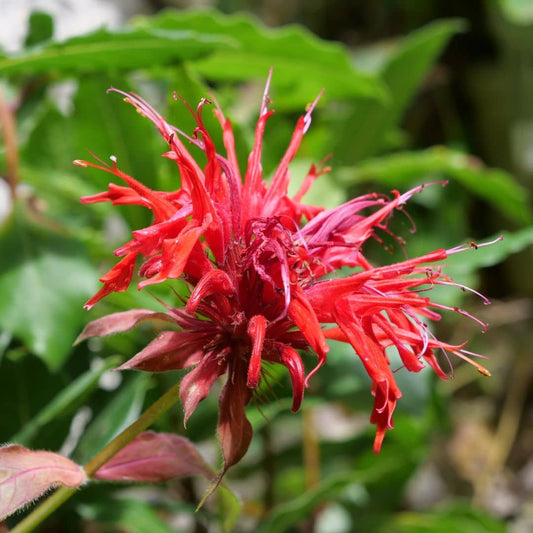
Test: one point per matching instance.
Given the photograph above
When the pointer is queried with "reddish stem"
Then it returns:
(9, 135)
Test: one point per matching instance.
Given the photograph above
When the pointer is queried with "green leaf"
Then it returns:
(45, 277)
(404, 71)
(117, 415)
(368, 485)
(402, 169)
(5, 340)
(20, 398)
(451, 517)
(289, 513)
(128, 515)
(303, 64)
(123, 49)
(41, 28)
(325, 191)
(518, 12)
(229, 507)
(50, 143)
(67, 401)
(104, 124)
(61, 191)
(100, 122)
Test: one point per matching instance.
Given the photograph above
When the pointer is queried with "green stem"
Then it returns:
(120, 441)
(44, 510)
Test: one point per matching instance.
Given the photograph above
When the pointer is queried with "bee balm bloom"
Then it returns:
(259, 265)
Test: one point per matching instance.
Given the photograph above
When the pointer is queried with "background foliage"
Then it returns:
(396, 112)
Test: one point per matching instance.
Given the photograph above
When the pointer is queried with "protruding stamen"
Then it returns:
(464, 288)
(309, 109)
(266, 99)
(481, 369)
(472, 244)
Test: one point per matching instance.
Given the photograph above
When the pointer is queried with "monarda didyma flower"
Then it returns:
(259, 265)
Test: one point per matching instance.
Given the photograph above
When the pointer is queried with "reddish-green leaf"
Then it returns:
(117, 323)
(27, 474)
(155, 457)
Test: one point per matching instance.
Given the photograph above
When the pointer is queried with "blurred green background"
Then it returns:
(415, 92)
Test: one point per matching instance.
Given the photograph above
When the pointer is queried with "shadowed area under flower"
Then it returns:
(261, 270)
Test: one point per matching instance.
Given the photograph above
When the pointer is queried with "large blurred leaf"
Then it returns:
(126, 48)
(106, 125)
(50, 143)
(404, 169)
(409, 65)
(518, 12)
(20, 398)
(403, 72)
(65, 402)
(303, 64)
(45, 277)
(100, 122)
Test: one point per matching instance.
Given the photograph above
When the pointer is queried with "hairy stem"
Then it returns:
(120, 441)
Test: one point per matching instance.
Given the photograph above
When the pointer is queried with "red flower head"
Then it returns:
(257, 262)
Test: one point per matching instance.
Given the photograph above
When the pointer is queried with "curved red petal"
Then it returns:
(256, 330)
(117, 279)
(292, 360)
(303, 315)
(214, 282)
